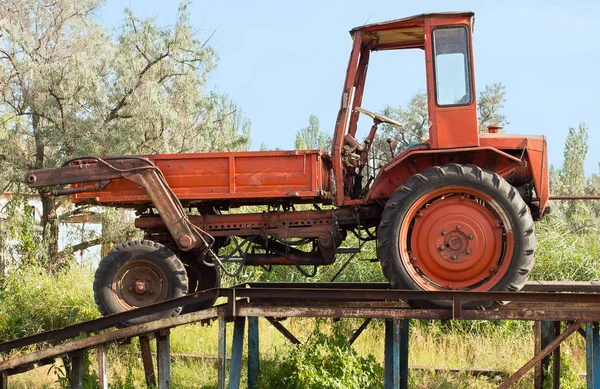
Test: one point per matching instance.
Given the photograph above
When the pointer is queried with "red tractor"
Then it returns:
(453, 213)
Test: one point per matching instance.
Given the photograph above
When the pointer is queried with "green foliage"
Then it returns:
(311, 137)
(63, 376)
(415, 121)
(69, 89)
(323, 361)
(33, 300)
(490, 105)
(564, 255)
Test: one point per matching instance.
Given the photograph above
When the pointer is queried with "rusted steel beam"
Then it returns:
(281, 328)
(562, 286)
(536, 359)
(147, 361)
(591, 197)
(530, 286)
(102, 367)
(107, 337)
(109, 321)
(360, 330)
(390, 294)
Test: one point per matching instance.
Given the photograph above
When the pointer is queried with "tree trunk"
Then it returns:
(49, 219)
(50, 226)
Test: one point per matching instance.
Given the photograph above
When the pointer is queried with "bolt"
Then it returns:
(140, 287)
(468, 251)
(185, 240)
(493, 270)
(413, 259)
(454, 257)
(458, 226)
(441, 248)
(443, 232)
(130, 289)
(450, 286)
(470, 236)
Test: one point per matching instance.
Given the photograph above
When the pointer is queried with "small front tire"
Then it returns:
(137, 274)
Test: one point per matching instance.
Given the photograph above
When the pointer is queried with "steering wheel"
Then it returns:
(379, 118)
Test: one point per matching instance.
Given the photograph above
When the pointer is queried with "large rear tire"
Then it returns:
(136, 274)
(456, 227)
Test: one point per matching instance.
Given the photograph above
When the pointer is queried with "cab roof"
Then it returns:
(403, 33)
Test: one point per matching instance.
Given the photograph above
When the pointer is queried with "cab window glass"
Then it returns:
(452, 77)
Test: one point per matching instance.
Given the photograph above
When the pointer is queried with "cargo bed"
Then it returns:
(245, 177)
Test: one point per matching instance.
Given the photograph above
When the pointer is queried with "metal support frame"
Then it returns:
(253, 352)
(396, 354)
(147, 361)
(102, 368)
(222, 353)
(163, 359)
(77, 370)
(545, 333)
(344, 300)
(235, 365)
(592, 355)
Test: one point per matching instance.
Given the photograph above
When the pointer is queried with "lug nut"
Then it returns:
(441, 248)
(468, 251)
(443, 232)
(470, 236)
(454, 257)
(458, 226)
(130, 289)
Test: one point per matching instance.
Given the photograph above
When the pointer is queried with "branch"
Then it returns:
(123, 102)
(80, 246)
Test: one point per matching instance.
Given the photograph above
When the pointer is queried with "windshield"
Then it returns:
(452, 78)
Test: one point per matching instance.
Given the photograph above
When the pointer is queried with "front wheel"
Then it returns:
(456, 227)
(136, 274)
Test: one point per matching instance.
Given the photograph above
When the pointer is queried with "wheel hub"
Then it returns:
(455, 243)
(140, 287)
(139, 283)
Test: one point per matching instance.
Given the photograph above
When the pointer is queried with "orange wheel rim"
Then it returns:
(456, 238)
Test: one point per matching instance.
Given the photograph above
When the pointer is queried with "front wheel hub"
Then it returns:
(140, 287)
(457, 241)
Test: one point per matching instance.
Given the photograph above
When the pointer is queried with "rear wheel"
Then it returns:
(456, 227)
(136, 274)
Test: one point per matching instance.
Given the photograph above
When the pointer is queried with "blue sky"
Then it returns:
(284, 60)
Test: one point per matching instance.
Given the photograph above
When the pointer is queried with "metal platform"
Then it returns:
(546, 303)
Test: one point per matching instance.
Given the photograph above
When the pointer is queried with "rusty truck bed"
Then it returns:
(246, 177)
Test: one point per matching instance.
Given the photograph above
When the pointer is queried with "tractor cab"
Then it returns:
(445, 39)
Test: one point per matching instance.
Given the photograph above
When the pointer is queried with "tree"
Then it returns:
(68, 89)
(311, 137)
(490, 105)
(415, 121)
(571, 180)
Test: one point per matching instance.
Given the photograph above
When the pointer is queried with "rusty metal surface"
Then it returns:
(338, 300)
(591, 197)
(141, 173)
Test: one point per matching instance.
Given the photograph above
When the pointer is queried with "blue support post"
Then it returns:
(253, 353)
(396, 354)
(235, 366)
(222, 353)
(545, 334)
(592, 355)
(163, 358)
